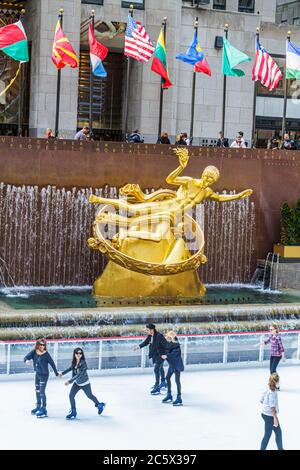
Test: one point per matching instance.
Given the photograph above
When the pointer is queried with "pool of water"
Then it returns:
(59, 297)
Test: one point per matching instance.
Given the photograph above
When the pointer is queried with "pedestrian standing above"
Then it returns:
(238, 143)
(222, 141)
(164, 138)
(83, 134)
(136, 137)
(80, 381)
(173, 356)
(269, 412)
(180, 140)
(277, 349)
(49, 134)
(41, 360)
(157, 348)
(185, 137)
(288, 143)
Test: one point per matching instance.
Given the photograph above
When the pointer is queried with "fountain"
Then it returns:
(42, 251)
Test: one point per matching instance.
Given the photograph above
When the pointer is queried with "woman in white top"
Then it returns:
(269, 412)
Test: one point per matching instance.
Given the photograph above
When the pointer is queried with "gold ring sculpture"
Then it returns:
(156, 269)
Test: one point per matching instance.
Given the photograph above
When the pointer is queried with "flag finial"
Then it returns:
(257, 29)
(131, 8)
(61, 10)
(22, 11)
(93, 13)
(226, 27)
(196, 22)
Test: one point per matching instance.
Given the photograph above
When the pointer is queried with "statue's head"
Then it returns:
(210, 175)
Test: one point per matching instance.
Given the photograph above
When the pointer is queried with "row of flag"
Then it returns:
(138, 45)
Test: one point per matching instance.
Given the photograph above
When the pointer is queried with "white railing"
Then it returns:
(117, 352)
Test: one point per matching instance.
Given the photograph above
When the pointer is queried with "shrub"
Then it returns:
(290, 224)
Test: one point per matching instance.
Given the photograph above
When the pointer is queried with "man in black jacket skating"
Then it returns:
(157, 348)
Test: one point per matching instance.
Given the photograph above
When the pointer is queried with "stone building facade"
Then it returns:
(243, 17)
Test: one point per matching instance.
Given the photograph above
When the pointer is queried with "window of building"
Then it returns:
(107, 96)
(94, 2)
(296, 21)
(219, 4)
(247, 6)
(138, 4)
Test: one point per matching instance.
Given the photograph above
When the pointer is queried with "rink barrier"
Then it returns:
(106, 353)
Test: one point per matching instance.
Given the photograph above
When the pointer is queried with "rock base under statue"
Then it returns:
(118, 283)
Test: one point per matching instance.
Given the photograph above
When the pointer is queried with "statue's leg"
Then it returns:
(159, 232)
(202, 290)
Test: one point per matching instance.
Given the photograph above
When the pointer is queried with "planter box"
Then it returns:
(287, 251)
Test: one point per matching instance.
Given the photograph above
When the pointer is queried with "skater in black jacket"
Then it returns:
(41, 361)
(176, 366)
(80, 381)
(157, 347)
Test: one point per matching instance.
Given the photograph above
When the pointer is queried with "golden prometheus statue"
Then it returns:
(148, 253)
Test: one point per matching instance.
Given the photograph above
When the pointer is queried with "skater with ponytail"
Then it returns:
(80, 381)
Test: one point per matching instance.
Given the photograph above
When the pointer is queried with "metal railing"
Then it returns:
(117, 353)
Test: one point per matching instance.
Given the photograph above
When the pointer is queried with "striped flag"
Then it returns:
(62, 52)
(98, 52)
(265, 68)
(137, 42)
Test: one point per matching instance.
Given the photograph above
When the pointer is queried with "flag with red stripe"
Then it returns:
(62, 52)
(265, 68)
(137, 42)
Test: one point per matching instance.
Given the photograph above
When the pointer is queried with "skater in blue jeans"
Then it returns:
(269, 412)
(41, 361)
(80, 381)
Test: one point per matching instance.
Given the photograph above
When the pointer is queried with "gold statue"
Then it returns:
(149, 256)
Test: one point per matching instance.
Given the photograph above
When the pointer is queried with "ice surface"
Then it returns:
(221, 411)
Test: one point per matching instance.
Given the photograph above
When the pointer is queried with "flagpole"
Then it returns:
(21, 89)
(224, 88)
(92, 17)
(161, 100)
(127, 83)
(254, 102)
(60, 19)
(283, 130)
(193, 89)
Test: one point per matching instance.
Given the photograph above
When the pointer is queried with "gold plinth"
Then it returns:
(117, 281)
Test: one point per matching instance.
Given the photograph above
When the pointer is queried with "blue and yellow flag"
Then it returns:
(193, 54)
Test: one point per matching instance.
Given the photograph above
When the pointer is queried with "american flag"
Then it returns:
(265, 68)
(137, 42)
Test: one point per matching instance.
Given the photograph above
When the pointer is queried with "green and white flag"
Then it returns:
(292, 61)
(231, 58)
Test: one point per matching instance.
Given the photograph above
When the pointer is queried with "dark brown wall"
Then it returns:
(273, 175)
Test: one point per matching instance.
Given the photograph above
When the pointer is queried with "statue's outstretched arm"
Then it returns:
(173, 178)
(230, 197)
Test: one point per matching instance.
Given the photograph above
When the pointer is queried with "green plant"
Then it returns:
(290, 224)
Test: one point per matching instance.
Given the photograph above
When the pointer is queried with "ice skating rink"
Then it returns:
(221, 411)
